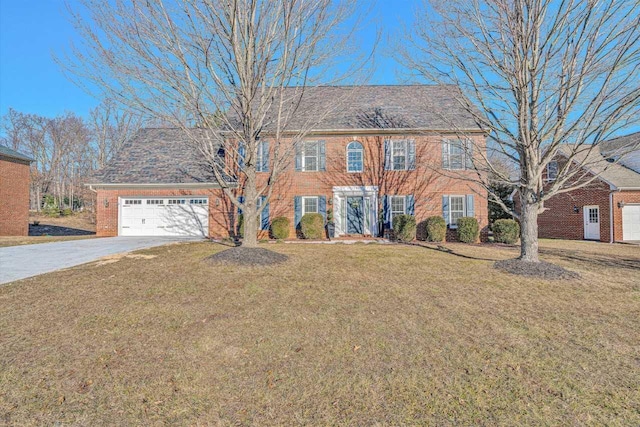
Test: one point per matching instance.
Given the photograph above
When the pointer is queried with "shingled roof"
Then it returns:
(13, 154)
(164, 156)
(613, 173)
(155, 156)
(338, 108)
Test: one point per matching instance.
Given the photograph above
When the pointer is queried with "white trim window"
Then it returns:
(355, 157)
(310, 204)
(310, 156)
(398, 155)
(456, 154)
(456, 209)
(398, 206)
(552, 170)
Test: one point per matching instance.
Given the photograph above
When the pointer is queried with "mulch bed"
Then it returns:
(247, 257)
(542, 269)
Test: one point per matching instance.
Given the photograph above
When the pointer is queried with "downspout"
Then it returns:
(611, 216)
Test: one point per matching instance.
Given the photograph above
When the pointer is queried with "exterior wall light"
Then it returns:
(621, 204)
(576, 209)
(106, 202)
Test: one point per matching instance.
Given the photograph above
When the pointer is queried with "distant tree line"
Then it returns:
(66, 149)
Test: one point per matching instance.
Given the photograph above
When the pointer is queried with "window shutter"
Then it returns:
(410, 204)
(322, 207)
(445, 155)
(411, 154)
(387, 156)
(264, 216)
(297, 211)
(241, 200)
(299, 156)
(386, 211)
(241, 156)
(322, 162)
(445, 209)
(264, 147)
(469, 205)
(468, 155)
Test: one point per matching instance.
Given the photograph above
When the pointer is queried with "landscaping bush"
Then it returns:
(404, 228)
(67, 212)
(436, 229)
(240, 225)
(312, 226)
(468, 230)
(280, 228)
(506, 231)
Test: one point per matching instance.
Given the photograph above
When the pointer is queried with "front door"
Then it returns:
(355, 215)
(592, 222)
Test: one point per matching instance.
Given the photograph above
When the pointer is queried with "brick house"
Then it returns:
(385, 153)
(607, 209)
(14, 192)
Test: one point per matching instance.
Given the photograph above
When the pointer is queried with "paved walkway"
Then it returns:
(20, 262)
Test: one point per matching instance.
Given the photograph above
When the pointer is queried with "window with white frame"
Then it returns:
(262, 161)
(198, 201)
(456, 209)
(399, 155)
(133, 202)
(552, 170)
(355, 157)
(176, 201)
(155, 202)
(456, 154)
(309, 205)
(310, 156)
(398, 206)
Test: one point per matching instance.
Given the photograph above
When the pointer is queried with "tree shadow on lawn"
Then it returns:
(451, 251)
(593, 259)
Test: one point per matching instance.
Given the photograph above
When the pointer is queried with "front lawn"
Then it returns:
(339, 334)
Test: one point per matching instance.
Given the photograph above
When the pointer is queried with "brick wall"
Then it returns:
(561, 221)
(14, 197)
(626, 197)
(426, 184)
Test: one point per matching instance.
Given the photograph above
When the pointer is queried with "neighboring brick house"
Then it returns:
(14, 192)
(391, 150)
(608, 208)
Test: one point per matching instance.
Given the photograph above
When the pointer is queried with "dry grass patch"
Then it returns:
(338, 334)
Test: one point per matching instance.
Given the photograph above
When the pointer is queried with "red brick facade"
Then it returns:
(14, 197)
(427, 183)
(564, 217)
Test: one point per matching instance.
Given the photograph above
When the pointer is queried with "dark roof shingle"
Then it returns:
(8, 152)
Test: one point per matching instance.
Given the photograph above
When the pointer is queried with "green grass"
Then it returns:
(340, 334)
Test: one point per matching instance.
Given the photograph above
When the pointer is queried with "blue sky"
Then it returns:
(31, 31)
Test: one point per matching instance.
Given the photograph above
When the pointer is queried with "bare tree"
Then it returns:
(540, 75)
(185, 62)
(111, 128)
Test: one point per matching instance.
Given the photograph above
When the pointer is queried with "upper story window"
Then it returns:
(262, 160)
(355, 157)
(310, 156)
(552, 170)
(400, 154)
(456, 154)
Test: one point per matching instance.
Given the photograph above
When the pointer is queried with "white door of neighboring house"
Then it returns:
(631, 222)
(164, 216)
(591, 222)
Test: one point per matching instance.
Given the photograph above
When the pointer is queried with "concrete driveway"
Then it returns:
(20, 262)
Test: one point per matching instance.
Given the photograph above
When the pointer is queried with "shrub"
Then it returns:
(67, 212)
(468, 230)
(506, 231)
(280, 228)
(404, 227)
(436, 229)
(312, 226)
(241, 225)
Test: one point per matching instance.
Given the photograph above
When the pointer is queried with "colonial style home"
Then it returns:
(14, 192)
(608, 208)
(388, 150)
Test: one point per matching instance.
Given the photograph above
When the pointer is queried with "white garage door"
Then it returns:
(631, 222)
(168, 216)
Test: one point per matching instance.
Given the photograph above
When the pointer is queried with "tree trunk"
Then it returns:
(250, 216)
(529, 231)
